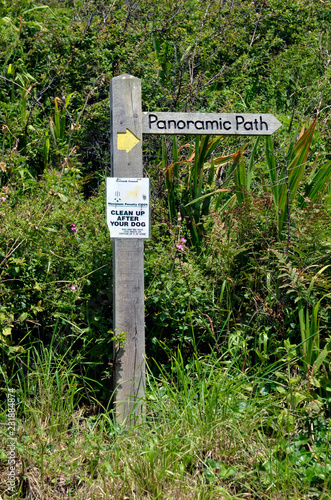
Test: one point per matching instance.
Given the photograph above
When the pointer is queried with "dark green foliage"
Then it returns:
(56, 265)
(254, 271)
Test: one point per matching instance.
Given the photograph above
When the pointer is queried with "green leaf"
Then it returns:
(50, 229)
(63, 198)
(320, 360)
(207, 195)
(22, 317)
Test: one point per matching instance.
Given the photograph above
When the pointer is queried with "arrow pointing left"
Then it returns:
(126, 140)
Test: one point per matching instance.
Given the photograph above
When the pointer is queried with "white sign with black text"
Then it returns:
(127, 202)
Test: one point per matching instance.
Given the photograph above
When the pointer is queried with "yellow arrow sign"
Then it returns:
(126, 140)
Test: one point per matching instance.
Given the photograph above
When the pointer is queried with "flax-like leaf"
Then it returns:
(319, 183)
(221, 190)
(211, 172)
(308, 338)
(68, 99)
(168, 182)
(271, 162)
(320, 359)
(302, 326)
(228, 204)
(251, 164)
(175, 157)
(212, 145)
(297, 166)
(57, 123)
(239, 176)
(52, 129)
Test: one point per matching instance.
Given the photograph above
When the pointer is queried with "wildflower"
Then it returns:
(73, 288)
(74, 228)
(180, 246)
(2, 214)
(2, 199)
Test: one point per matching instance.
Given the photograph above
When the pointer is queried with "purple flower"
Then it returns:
(183, 240)
(2, 199)
(74, 228)
(73, 288)
(2, 214)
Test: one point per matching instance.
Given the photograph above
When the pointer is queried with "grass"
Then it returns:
(210, 432)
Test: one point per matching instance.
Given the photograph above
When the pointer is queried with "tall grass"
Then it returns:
(211, 432)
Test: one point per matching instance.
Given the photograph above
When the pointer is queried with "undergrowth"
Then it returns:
(211, 431)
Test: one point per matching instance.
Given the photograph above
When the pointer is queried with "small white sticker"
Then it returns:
(127, 206)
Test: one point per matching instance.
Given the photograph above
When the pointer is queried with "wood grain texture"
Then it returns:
(128, 259)
(209, 123)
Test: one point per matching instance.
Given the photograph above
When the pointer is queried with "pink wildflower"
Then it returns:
(180, 246)
(2, 199)
(74, 228)
(73, 287)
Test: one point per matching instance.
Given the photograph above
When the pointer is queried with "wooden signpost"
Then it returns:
(127, 206)
(209, 123)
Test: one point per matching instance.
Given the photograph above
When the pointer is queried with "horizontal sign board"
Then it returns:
(209, 123)
(127, 207)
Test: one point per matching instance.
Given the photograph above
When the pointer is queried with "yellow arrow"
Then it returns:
(126, 140)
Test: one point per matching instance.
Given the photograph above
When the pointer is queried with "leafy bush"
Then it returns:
(56, 263)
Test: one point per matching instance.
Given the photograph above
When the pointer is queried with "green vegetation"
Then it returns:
(237, 273)
(211, 431)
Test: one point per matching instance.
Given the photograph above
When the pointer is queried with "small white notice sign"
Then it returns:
(127, 206)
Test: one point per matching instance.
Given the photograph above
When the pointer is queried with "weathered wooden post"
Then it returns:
(128, 217)
(128, 254)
